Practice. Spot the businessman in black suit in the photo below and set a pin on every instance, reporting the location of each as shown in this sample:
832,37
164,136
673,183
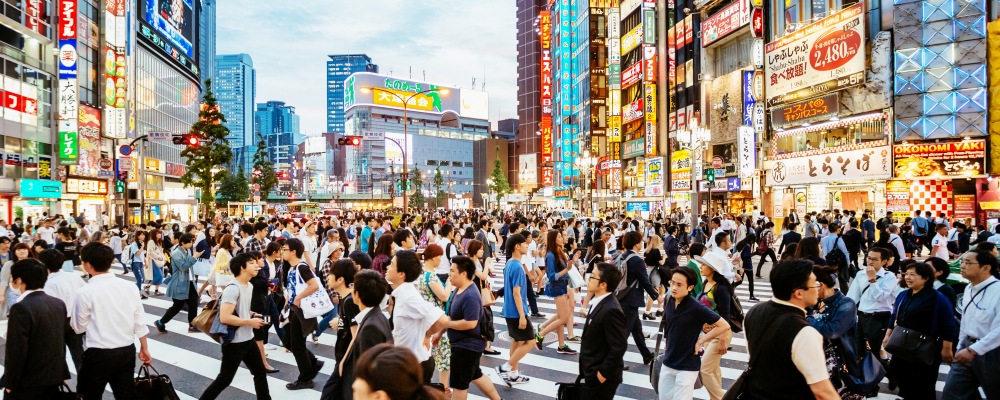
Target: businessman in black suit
373,328
602,348
482,235
35,364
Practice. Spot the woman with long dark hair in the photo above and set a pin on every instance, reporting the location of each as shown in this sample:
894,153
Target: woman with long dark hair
557,267
745,248
382,254
477,252
808,249
156,259
393,373
136,259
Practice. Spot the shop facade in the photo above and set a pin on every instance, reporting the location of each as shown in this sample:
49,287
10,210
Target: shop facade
944,176
36,198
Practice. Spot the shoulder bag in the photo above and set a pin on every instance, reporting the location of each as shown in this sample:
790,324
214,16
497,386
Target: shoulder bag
316,304
155,385
739,387
911,345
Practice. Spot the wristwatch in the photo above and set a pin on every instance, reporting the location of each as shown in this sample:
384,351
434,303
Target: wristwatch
872,280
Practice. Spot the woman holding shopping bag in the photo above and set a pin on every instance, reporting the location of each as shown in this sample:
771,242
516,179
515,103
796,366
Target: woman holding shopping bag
156,259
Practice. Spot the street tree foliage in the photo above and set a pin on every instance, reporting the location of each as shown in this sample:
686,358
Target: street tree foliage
203,160
499,186
233,188
417,198
438,184
263,170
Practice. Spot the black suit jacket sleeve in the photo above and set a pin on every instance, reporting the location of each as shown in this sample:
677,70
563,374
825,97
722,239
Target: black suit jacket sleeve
637,268
18,333
616,336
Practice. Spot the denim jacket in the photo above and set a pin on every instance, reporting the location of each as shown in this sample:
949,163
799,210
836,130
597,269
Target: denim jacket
837,324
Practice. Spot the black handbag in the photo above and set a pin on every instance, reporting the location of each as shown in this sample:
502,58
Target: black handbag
739,388
154,386
570,391
65,393
912,346
871,373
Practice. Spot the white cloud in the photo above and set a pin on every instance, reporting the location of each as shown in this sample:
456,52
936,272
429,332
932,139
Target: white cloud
451,41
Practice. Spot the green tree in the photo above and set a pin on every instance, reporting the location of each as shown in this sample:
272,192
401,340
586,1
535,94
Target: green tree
233,188
438,184
204,161
417,198
263,170
499,185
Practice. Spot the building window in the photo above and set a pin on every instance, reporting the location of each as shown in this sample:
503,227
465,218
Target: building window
795,14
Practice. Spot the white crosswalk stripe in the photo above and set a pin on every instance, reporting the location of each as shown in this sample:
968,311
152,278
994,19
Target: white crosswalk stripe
192,360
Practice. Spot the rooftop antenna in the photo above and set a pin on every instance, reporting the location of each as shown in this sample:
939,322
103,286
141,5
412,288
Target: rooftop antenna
473,83
425,75
411,72
484,78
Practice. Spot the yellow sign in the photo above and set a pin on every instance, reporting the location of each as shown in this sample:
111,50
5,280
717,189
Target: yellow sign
155,165
152,194
394,98
614,129
993,50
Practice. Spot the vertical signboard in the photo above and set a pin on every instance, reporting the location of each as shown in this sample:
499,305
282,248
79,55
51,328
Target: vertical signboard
654,177
115,68
565,58
649,26
745,151
67,97
34,16
650,112
545,28
749,101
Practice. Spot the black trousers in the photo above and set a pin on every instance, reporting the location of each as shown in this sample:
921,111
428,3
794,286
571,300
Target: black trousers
603,391
107,366
232,355
192,306
75,344
763,259
532,300
871,332
428,369
295,338
32,393
634,326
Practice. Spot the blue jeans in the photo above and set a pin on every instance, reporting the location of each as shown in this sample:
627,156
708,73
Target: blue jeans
140,276
324,323
273,311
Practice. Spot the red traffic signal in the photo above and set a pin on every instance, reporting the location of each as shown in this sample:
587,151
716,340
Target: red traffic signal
187,139
349,141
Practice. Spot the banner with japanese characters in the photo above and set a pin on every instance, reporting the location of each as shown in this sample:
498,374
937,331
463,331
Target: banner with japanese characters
825,56
849,166
67,97
954,159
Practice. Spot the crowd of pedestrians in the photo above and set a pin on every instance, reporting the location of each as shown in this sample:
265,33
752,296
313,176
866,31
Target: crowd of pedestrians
406,296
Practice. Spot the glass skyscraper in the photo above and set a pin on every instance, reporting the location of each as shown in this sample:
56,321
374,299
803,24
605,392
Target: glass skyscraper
235,87
280,126
338,69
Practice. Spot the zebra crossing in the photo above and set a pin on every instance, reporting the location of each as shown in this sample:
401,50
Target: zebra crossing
192,360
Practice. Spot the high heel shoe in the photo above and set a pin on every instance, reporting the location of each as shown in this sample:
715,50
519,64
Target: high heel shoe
647,316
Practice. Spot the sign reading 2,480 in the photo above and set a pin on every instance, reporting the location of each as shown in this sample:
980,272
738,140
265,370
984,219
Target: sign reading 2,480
836,48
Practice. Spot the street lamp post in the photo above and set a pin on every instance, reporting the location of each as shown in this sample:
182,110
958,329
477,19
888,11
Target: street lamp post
697,139
406,124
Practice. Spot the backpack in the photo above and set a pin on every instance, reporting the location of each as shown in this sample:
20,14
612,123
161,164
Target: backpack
621,263
762,246
836,257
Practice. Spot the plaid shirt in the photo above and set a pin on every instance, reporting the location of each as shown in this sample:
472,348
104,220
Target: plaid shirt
254,245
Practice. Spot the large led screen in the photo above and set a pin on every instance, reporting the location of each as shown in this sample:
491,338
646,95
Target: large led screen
172,26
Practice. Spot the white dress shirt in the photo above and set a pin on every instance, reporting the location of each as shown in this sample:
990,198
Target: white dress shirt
63,286
361,315
412,316
25,294
595,301
897,242
878,298
980,319
108,310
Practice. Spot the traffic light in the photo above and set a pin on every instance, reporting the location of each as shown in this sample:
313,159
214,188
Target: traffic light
187,139
349,141
710,175
119,186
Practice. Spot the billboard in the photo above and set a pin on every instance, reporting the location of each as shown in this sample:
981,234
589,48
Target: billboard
366,88
68,97
632,39
855,165
393,156
527,168
315,145
825,56
680,170
172,27
941,160
654,177
116,64
475,104
726,21
90,141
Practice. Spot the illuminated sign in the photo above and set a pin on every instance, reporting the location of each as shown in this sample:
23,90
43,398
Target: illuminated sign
746,153
650,111
825,56
19,101
632,39
90,143
85,186
634,148
172,26
649,26
726,21
649,59
748,98
948,159
545,126
394,98
632,75
632,111
854,165
627,6
654,176
614,128
41,189
67,92
116,64
565,58
680,170
34,16
819,109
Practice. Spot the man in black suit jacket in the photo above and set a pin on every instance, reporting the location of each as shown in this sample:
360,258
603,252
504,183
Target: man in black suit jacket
483,236
602,348
373,329
35,364
638,280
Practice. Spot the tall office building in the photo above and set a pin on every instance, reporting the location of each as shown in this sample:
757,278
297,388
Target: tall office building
206,40
280,126
235,87
338,69
528,146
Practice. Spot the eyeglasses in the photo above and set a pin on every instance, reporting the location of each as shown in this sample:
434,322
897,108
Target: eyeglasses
595,279
816,286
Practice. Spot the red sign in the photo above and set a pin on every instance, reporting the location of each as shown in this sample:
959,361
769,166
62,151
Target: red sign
724,22
757,23
67,19
546,176
33,12
545,32
631,75
649,59
546,139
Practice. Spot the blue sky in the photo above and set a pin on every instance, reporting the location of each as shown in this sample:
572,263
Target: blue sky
451,40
